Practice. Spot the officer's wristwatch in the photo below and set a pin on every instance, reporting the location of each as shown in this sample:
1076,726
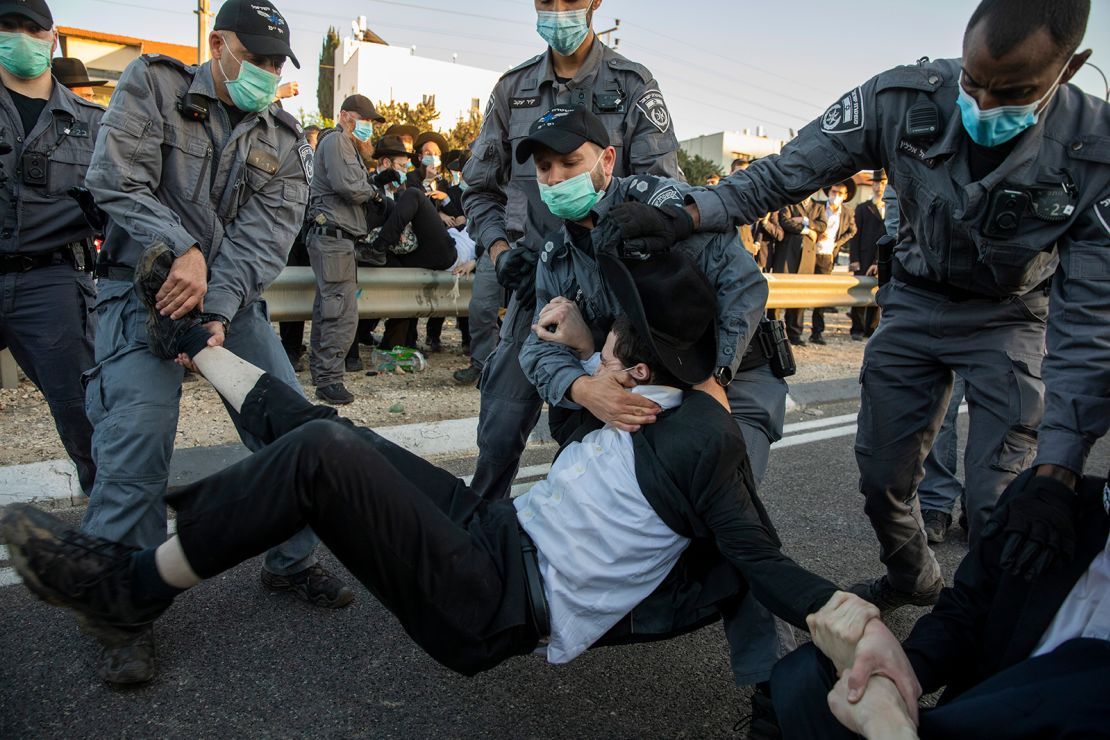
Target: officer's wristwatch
723,375
208,317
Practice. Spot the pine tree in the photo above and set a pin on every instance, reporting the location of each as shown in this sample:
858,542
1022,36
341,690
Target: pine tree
325,87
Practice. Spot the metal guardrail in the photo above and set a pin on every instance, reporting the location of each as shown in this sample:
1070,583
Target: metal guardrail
388,292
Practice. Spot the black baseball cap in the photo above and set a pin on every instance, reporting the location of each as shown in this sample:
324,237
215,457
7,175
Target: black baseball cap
562,130
259,26
36,10
361,104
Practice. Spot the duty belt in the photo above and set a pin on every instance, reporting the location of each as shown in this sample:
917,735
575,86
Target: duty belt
333,232
952,292
25,262
537,601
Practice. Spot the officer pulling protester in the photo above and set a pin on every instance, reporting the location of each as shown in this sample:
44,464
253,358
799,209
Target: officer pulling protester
1004,191
341,193
196,162
46,256
510,221
574,162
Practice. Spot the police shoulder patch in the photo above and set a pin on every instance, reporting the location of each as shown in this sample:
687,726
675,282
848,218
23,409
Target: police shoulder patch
304,151
845,115
667,195
1102,213
654,108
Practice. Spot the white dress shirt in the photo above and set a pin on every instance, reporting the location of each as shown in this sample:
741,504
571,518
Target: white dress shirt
1086,611
601,547
827,242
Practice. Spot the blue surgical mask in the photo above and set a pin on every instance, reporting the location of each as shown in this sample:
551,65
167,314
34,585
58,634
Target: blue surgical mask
254,89
430,161
998,125
24,55
571,200
363,131
564,31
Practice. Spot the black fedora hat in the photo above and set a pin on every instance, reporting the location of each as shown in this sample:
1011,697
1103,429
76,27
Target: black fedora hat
403,129
670,302
71,72
390,146
427,136
849,183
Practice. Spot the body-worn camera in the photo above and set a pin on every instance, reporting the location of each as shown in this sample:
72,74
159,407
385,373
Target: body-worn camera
1004,213
34,166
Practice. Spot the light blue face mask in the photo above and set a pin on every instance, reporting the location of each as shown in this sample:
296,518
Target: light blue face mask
430,161
24,55
364,130
564,31
571,200
998,125
254,89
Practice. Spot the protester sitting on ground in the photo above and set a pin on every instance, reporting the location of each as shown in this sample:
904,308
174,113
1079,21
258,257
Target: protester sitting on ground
666,512
1019,658
412,234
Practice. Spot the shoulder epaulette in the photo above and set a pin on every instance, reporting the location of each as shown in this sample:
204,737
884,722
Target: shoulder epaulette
524,65
181,66
286,119
627,65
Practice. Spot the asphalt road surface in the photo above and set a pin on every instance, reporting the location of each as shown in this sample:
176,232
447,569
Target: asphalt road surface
238,661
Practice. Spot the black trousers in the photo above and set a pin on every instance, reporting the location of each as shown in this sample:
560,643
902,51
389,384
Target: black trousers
447,564
1061,694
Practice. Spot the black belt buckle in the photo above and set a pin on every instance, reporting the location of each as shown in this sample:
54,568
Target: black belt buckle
533,582
18,263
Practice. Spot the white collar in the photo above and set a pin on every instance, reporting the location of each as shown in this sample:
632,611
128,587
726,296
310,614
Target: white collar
666,396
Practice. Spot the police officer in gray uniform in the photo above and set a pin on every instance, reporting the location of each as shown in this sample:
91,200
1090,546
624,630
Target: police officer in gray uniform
568,268
1005,212
46,142
198,159
504,209
341,190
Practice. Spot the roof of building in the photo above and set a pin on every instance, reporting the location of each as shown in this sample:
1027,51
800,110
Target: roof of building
187,54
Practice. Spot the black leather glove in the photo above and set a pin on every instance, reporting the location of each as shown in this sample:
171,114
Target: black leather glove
387,177
516,268
641,230
1037,524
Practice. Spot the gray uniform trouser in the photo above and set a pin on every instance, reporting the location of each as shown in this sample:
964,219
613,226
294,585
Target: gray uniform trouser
335,309
45,321
941,488
485,301
510,408
133,399
906,380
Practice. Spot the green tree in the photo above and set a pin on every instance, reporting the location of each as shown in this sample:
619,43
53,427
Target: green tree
696,168
325,87
465,131
421,115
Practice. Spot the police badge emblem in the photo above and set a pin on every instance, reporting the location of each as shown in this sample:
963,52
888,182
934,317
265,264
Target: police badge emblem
651,104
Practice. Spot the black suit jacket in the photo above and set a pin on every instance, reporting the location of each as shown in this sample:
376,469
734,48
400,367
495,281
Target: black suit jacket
869,229
989,620
693,470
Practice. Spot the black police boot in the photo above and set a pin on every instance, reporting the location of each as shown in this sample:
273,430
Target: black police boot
817,339
163,333
128,660
314,584
888,598
335,394
467,376
762,722
937,524
66,567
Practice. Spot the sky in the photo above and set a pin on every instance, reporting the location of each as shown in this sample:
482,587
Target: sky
723,65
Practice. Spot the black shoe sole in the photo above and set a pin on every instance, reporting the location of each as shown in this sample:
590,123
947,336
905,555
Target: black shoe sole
281,585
